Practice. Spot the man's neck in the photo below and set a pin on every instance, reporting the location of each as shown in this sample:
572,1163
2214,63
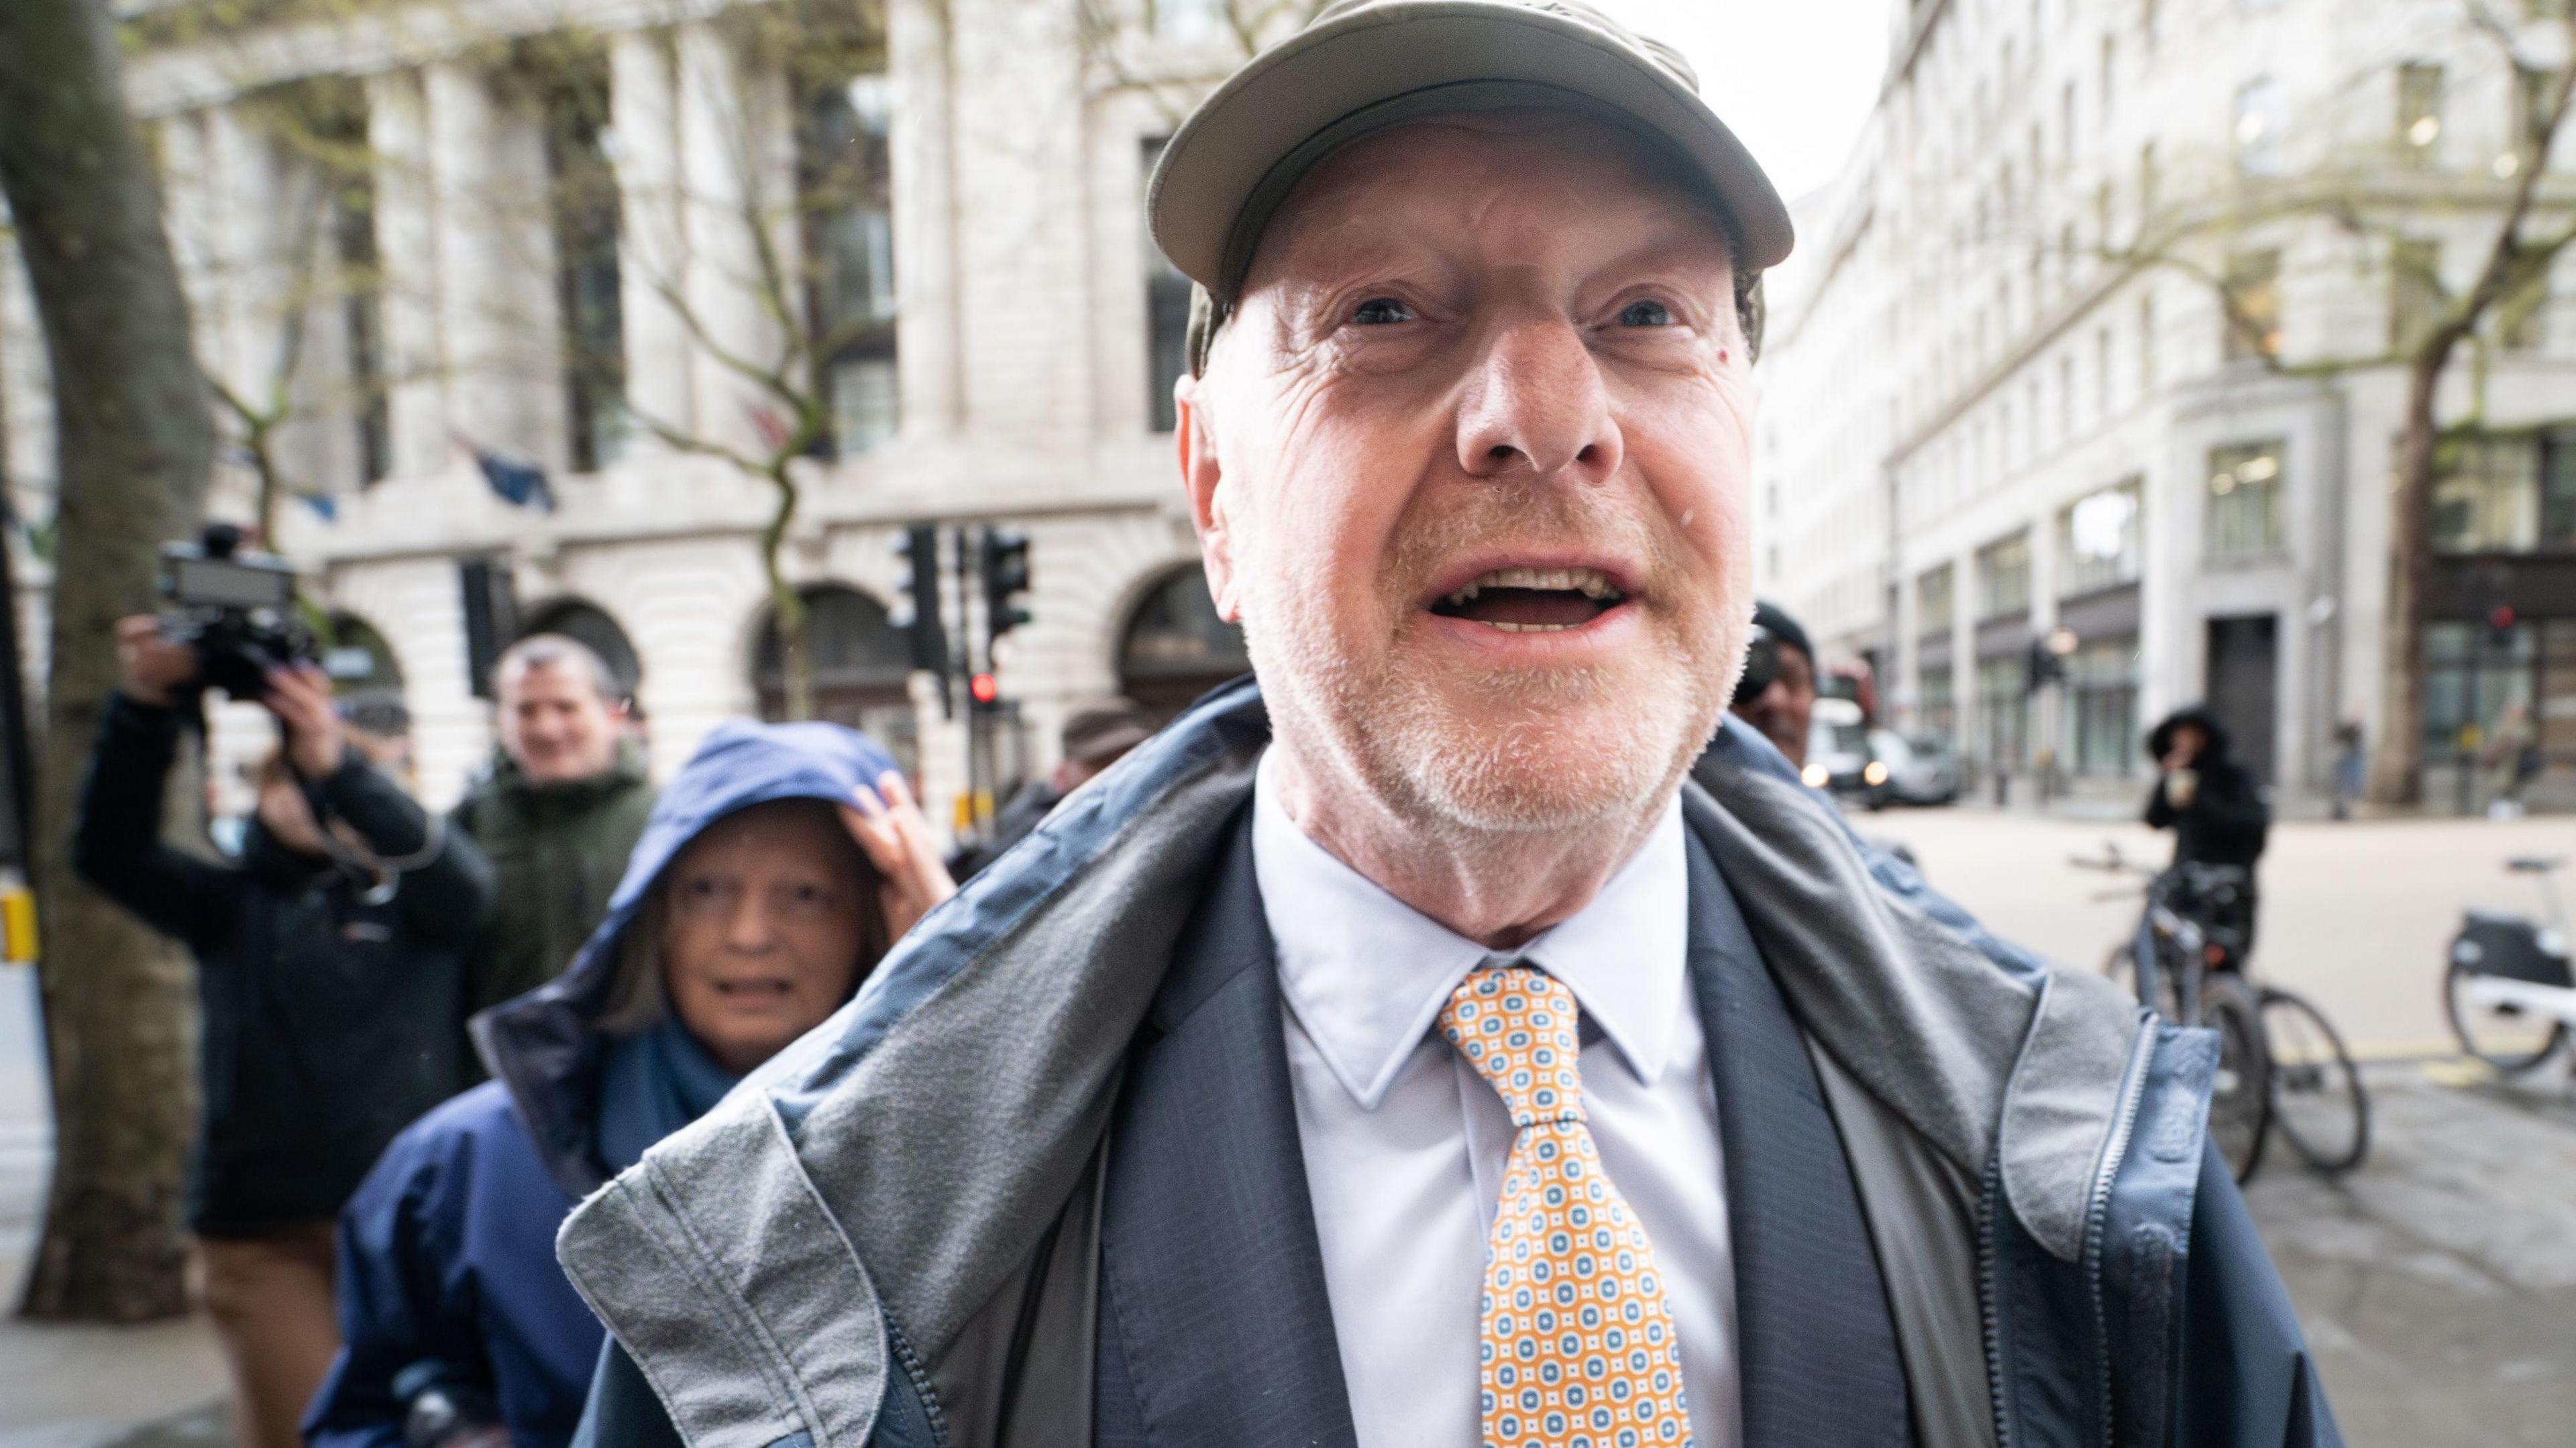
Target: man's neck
1496,887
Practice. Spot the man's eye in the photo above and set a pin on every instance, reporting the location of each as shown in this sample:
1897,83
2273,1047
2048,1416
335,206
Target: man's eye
1381,312
1646,314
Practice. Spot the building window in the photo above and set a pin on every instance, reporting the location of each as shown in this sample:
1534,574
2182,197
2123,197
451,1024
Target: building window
2257,129
2486,495
2533,92
845,178
2097,541
361,284
2419,110
1936,707
2102,705
2520,314
1933,600
2003,577
2148,177
2002,710
2253,298
2474,673
586,276
2244,514
1167,321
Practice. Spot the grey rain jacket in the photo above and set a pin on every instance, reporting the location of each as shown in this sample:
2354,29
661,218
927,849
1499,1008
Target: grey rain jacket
893,1227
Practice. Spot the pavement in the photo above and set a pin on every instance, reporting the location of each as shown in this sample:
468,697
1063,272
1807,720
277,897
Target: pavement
2437,1283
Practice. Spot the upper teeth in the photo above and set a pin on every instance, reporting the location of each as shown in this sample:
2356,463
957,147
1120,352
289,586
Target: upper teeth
1590,582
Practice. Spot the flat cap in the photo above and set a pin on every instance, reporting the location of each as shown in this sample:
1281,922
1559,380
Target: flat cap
1363,65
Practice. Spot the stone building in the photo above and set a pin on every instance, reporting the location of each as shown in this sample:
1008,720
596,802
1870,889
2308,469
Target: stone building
2087,348
573,235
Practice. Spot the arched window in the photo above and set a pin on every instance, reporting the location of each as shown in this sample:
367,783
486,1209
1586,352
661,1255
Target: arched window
861,666
1176,648
358,658
589,625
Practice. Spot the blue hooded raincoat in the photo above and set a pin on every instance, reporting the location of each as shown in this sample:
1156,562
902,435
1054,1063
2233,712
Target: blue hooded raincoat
447,1261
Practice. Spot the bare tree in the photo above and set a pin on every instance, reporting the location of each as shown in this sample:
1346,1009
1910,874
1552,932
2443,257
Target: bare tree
135,440
2531,227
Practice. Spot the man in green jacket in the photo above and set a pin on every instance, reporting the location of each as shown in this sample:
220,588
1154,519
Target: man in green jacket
558,815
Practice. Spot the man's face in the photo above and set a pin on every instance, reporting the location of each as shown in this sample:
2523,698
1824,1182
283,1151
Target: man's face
1784,710
1470,465
554,724
2188,742
766,920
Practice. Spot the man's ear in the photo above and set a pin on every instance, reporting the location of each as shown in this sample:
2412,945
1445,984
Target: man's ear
1202,479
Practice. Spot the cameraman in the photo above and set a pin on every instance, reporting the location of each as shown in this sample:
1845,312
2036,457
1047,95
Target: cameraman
329,974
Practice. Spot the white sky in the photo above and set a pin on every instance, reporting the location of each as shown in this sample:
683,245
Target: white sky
1793,79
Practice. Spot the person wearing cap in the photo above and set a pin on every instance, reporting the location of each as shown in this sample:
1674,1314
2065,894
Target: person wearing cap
1395,1050
1094,737
1776,692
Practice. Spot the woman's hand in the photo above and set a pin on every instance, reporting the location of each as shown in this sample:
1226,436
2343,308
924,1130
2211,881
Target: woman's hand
890,829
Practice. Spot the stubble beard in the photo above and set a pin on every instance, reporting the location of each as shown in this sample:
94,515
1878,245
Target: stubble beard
1498,754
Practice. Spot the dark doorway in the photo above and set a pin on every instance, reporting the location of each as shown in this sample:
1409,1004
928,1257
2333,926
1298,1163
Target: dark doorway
1176,647
862,664
2245,685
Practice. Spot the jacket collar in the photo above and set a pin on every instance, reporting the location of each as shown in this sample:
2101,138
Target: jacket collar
1000,1024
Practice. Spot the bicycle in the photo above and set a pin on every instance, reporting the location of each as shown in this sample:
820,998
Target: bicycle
2281,1063
2510,990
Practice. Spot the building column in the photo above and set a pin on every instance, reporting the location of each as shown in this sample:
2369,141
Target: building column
407,274
644,115
496,265
923,157
731,126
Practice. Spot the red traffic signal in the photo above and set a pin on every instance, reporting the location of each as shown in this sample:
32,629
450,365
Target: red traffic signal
983,689
2500,618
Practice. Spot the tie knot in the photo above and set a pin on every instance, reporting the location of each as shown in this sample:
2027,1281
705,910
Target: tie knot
1516,1025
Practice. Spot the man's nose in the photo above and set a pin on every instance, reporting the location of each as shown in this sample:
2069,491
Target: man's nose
1536,404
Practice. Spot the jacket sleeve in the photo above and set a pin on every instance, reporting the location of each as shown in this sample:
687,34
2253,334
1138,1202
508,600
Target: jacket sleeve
443,897
117,845
2160,812
2248,1380
394,1314
624,1411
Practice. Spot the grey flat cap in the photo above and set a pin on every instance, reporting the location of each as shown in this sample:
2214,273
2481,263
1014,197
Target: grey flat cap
1363,65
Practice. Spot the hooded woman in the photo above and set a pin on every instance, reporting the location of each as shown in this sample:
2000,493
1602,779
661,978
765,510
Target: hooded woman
773,874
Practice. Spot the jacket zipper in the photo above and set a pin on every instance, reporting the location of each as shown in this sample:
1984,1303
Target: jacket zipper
1987,1313
912,1370
2097,1217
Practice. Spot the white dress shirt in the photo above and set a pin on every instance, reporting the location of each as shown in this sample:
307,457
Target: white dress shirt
1405,1144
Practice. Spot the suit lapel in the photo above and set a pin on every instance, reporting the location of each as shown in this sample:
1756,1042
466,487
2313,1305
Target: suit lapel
1214,1323
1817,1349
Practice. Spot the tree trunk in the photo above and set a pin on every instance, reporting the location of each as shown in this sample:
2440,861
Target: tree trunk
788,613
135,440
2397,759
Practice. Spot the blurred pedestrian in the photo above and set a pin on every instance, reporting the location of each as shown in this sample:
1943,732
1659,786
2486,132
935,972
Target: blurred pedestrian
2350,758
2215,807
559,813
1776,693
1094,737
1402,1052
331,984
771,878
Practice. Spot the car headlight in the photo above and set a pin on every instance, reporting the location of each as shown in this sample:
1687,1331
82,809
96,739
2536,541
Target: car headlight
1816,776
1875,773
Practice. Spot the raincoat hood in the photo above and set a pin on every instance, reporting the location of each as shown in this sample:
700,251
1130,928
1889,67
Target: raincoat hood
546,1046
2198,716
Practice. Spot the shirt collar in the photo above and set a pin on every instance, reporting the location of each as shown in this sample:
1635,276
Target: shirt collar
1367,974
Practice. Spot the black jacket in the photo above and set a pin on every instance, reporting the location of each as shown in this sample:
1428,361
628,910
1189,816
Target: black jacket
330,1022
2227,820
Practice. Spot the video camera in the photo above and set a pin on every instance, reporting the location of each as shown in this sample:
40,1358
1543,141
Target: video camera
237,609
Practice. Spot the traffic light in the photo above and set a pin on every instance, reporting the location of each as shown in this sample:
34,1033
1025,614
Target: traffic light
984,690
1005,569
919,550
2500,622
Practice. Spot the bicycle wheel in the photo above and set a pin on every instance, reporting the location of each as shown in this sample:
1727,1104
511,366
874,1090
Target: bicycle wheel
2505,1037
2317,1099
2240,1105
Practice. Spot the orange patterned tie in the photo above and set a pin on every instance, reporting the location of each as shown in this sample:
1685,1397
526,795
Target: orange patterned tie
1579,1349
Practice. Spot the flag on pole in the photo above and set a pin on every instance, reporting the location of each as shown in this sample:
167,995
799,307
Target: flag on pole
519,484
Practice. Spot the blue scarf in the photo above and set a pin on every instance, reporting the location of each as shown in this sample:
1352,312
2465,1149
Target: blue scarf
653,1085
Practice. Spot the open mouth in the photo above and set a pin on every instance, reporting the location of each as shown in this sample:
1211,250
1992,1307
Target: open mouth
753,991
1533,600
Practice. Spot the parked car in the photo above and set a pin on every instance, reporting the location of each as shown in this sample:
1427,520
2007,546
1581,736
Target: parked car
1921,768
1839,758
